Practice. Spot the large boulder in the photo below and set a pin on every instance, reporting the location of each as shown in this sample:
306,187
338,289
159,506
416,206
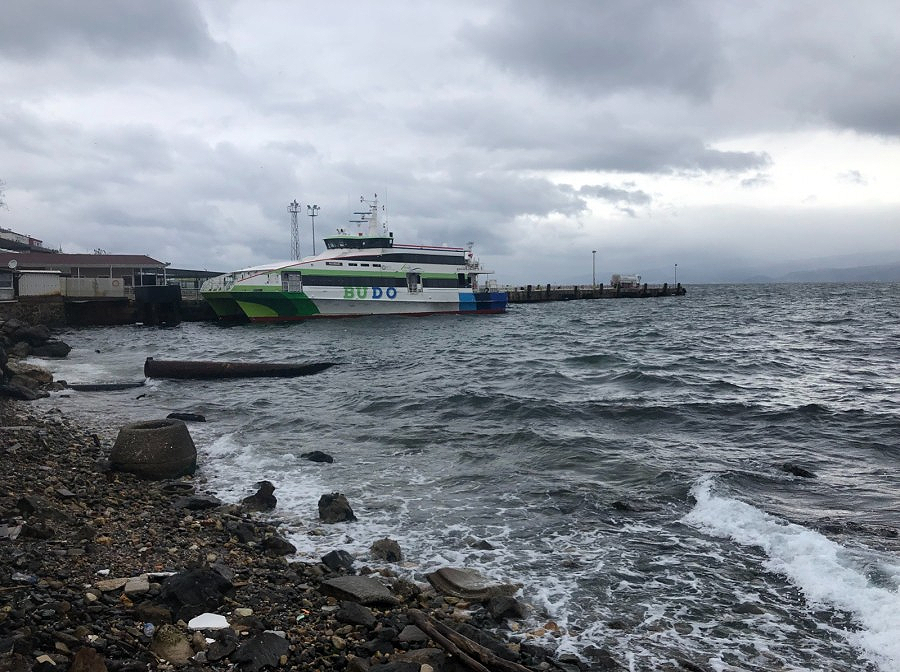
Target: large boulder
468,584
33,335
155,450
263,499
263,651
386,549
11,326
334,508
39,375
191,593
360,589
52,348
15,391
20,349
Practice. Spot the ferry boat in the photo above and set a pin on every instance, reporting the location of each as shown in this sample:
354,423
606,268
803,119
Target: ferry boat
365,273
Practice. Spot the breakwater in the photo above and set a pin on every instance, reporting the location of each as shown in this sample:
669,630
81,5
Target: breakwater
548,292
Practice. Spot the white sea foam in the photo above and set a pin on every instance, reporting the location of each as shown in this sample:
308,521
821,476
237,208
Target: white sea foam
827,573
75,370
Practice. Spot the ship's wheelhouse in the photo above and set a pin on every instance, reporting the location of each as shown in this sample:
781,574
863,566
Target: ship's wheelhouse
357,242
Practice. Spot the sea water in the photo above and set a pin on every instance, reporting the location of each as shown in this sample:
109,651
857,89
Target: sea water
632,463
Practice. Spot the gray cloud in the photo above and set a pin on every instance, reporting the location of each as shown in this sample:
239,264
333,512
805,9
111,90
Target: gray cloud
598,47
579,139
119,29
754,181
852,177
616,195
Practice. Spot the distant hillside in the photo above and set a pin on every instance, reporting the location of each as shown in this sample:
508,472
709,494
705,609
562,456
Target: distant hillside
874,273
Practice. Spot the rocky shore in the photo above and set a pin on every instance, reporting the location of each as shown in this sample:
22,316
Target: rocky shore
100,570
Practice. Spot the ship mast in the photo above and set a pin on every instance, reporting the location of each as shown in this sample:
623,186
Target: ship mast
370,217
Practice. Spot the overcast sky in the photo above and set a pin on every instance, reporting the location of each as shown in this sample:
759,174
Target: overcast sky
707,134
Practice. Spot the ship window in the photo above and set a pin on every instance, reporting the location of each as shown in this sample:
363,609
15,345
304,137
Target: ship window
377,265
460,279
363,264
414,282
334,263
351,263
291,282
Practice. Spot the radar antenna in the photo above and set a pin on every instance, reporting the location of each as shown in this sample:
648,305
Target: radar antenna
370,216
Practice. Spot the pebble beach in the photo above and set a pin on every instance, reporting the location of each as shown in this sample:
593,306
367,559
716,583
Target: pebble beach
100,570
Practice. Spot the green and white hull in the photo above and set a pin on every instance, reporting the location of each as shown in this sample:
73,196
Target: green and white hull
267,303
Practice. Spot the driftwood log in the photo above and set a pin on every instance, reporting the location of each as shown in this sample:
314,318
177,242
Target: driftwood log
160,368
462,647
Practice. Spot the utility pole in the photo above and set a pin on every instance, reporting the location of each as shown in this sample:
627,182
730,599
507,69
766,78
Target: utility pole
313,211
294,208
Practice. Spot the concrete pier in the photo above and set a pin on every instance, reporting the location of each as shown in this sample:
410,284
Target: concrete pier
548,292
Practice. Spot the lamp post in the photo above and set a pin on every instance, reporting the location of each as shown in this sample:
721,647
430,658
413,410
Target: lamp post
676,275
313,211
594,270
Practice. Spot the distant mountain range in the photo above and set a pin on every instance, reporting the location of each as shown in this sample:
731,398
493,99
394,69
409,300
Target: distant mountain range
872,273
709,268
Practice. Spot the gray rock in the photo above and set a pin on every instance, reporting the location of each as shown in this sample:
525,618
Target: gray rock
187,417
137,585
23,380
387,550
262,499
276,545
412,634
505,606
361,589
197,502
225,644
338,560
20,349
171,645
264,650
354,613
35,335
468,584
193,592
39,374
317,456
436,658
21,393
51,348
87,660
334,508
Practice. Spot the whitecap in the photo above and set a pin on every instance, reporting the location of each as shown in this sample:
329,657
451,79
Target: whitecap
828,574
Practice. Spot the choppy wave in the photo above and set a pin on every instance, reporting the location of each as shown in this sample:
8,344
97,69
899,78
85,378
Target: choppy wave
864,584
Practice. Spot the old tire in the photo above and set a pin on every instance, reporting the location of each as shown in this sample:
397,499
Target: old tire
155,449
